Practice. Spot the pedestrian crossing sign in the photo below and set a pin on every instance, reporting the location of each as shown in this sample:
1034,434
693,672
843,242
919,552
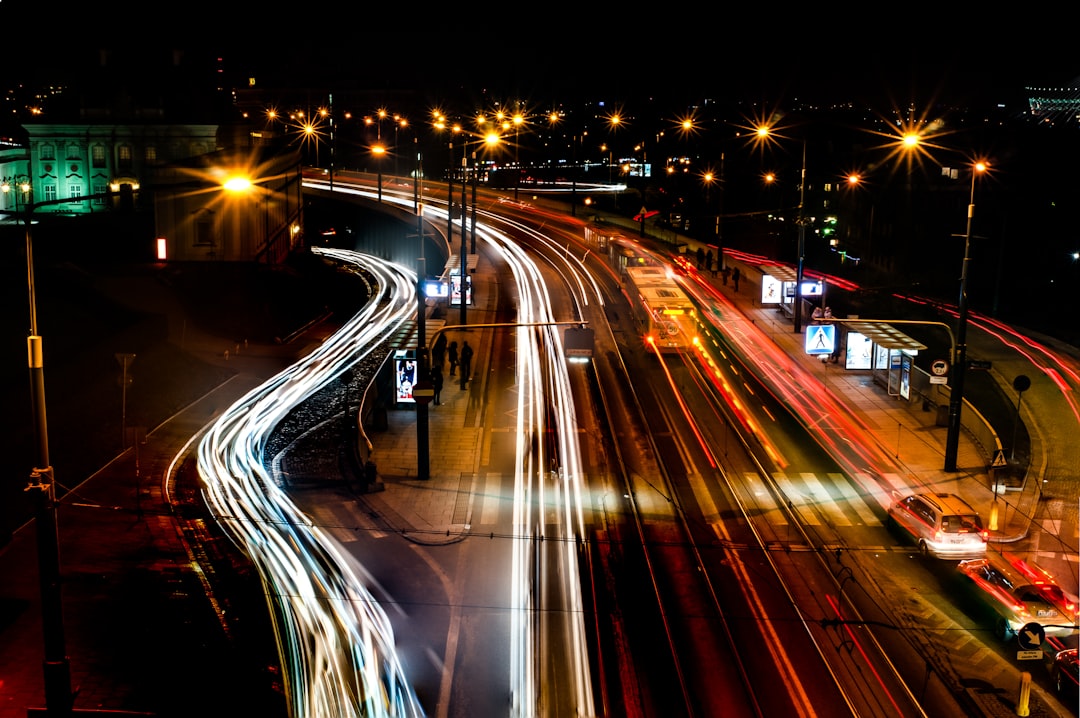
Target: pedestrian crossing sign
820,339
999,459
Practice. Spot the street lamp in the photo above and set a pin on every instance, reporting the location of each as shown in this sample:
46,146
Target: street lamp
377,150
764,135
801,221
956,395
400,123
518,120
490,138
57,668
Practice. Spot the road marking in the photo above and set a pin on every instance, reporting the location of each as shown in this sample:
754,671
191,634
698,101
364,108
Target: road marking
489,508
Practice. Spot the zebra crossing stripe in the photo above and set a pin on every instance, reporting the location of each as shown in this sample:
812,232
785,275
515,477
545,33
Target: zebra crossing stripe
834,501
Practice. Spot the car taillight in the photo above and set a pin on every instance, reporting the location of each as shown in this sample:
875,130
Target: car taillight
985,536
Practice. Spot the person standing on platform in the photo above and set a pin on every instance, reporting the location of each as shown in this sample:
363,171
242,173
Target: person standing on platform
466,362
452,355
438,352
735,274
436,382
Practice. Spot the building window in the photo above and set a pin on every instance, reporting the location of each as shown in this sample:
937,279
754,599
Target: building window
99,194
48,152
73,152
74,191
123,156
98,155
204,230
151,153
50,192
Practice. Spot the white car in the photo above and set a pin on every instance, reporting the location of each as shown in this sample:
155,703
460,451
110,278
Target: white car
942,525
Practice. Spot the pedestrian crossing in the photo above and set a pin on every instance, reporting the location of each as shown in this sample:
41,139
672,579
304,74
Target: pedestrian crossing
829,499
818,499
345,521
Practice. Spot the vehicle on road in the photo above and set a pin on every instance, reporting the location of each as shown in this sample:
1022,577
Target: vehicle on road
1063,673
1021,593
942,525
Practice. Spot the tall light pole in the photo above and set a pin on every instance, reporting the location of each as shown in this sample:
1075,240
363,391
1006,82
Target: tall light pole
956,395
378,151
464,233
801,250
423,366
329,114
57,669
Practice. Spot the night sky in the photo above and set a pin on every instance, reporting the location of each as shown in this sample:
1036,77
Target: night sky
962,55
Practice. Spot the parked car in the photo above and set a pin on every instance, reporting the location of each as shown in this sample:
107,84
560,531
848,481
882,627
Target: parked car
942,525
1021,593
1064,674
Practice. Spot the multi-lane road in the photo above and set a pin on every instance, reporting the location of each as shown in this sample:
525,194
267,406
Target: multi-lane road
641,569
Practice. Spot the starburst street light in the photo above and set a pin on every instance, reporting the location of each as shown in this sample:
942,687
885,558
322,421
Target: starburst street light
309,132
378,151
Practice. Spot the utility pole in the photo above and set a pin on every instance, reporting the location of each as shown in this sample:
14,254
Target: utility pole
57,668
956,395
801,221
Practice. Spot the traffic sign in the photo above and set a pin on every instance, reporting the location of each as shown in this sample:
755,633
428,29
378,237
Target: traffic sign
978,364
998,461
423,392
821,339
1031,636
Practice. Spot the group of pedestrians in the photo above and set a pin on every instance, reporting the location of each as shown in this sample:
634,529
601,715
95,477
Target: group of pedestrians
459,359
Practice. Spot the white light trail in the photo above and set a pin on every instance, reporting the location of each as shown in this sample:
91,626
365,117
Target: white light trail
542,380
335,642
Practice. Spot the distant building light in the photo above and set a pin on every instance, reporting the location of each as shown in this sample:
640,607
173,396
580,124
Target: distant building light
162,249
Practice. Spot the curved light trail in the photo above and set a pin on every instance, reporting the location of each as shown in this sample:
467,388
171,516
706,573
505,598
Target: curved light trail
335,642
548,637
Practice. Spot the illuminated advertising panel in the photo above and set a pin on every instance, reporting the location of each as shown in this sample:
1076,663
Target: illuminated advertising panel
859,353
404,377
436,289
881,357
455,290
770,289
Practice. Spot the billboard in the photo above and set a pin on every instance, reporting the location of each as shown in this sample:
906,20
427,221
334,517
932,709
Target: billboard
404,377
859,353
771,288
455,290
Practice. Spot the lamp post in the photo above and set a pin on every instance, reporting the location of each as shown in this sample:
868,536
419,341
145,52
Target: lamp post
801,221
764,134
956,396
329,115
518,120
464,218
378,151
57,669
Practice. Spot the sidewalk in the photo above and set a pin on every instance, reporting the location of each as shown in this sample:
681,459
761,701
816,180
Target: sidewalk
139,632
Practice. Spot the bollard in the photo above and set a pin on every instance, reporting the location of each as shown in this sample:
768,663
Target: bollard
994,516
1022,700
